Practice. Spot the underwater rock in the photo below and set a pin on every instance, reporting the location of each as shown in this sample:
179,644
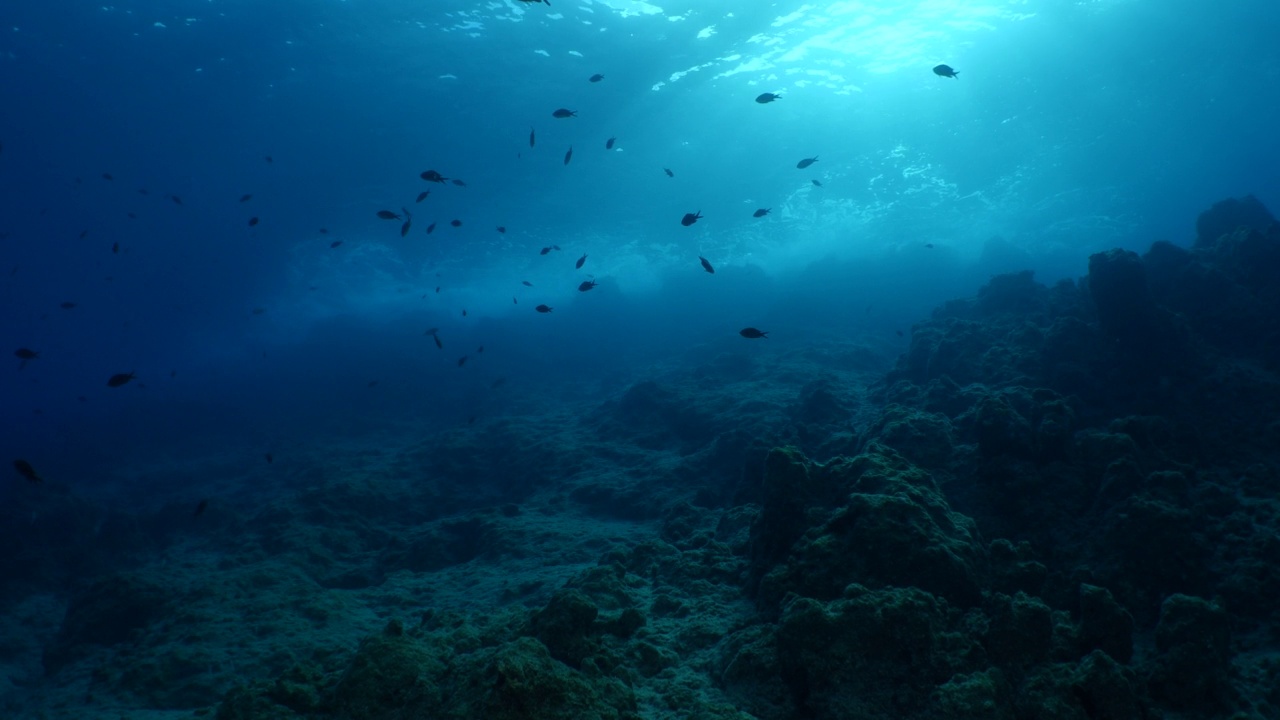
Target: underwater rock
1193,669
566,627
1019,631
1104,624
105,613
1227,216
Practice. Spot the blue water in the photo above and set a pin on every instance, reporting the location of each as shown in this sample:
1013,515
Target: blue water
1073,127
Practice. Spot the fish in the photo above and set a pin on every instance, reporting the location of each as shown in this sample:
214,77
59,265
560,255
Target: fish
462,361
26,354
132,215
253,221
563,113
706,265
115,248
586,285
690,218
595,78
497,383
945,71
437,289
372,384
458,182
120,379
502,229
25,470
439,343
668,172
546,250
526,283
176,200
268,158
404,229
456,223
514,301
766,98
430,228
246,198
107,177
929,245
422,196
464,312
752,333
568,155
816,183
581,260
335,244
543,309
761,212
324,231
806,162
388,215
432,176
480,349
531,137
66,305
268,458
201,507
531,2
608,144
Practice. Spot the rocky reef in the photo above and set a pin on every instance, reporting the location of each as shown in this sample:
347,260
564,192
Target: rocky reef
1059,503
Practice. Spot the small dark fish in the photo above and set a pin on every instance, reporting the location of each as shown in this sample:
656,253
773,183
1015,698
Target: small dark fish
66,305
372,383
201,507
25,354
115,248
502,229
608,144
765,98
25,470
690,218
668,172
404,229
497,383
464,312
761,212
544,251
268,159
945,71
929,245
132,215
543,309
462,361
586,285
480,349
253,221
268,458
176,200
107,176
388,215
431,331
422,196
806,162
259,310
581,260
816,183
568,155
173,374
595,78
437,289
752,333
335,244
706,265
514,301
439,343
246,198
526,283
898,332
84,234
431,228
324,231
456,223
563,113
531,133
458,182
432,176
120,379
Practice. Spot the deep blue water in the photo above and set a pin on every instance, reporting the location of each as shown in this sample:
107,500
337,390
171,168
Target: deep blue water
1073,127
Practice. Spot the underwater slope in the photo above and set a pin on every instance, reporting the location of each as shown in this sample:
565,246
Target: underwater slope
1057,504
